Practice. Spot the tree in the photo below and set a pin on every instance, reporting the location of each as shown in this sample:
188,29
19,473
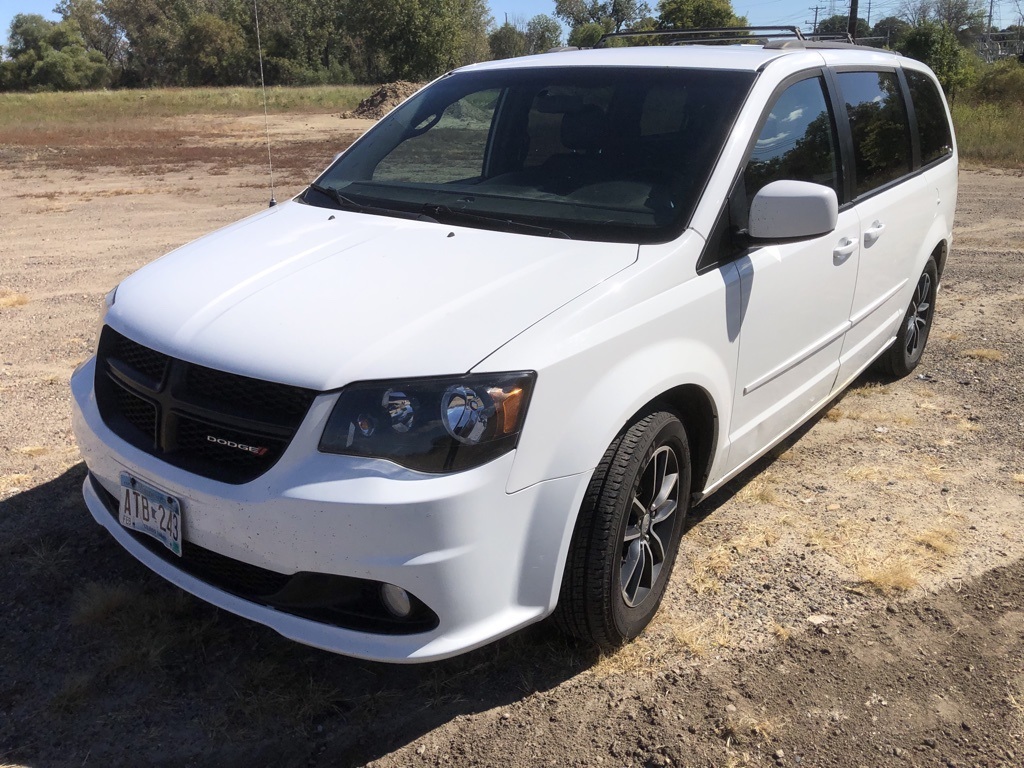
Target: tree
46,56
891,29
626,13
407,39
839,25
685,14
97,31
212,51
475,21
576,13
542,34
507,42
587,35
938,47
965,18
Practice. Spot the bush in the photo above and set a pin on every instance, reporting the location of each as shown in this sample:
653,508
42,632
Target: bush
1002,83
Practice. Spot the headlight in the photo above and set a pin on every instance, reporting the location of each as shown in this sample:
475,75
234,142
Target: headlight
433,424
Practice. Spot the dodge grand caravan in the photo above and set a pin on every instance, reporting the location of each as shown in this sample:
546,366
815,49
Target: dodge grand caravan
478,371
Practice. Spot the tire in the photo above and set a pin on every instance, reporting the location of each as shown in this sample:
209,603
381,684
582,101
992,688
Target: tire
627,535
905,353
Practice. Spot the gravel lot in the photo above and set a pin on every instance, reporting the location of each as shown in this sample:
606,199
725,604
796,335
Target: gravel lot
855,599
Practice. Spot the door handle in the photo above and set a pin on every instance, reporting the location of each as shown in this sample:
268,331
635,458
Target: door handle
872,233
844,250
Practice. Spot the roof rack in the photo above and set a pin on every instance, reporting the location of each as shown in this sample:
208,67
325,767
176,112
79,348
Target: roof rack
713,34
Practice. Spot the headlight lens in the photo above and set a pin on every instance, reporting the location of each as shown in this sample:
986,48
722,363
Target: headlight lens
438,424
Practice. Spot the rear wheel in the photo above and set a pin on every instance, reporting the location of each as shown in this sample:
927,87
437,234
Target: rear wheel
905,353
627,534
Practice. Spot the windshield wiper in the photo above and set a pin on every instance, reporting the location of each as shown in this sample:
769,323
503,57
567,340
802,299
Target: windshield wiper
505,224
348,204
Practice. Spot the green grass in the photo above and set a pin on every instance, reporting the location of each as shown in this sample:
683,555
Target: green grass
987,133
46,109
990,134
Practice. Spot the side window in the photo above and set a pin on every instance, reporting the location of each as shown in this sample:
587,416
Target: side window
932,125
456,138
878,121
797,141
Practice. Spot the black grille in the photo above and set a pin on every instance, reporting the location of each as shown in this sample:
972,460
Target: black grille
340,601
148,362
219,425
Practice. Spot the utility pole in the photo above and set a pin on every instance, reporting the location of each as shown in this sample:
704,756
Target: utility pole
988,29
869,13
816,9
851,28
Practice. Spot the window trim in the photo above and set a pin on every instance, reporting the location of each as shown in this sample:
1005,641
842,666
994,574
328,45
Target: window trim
916,128
708,261
844,127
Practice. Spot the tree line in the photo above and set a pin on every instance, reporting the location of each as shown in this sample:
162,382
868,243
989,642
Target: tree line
148,43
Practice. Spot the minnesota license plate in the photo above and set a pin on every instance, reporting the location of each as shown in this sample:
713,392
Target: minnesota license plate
151,511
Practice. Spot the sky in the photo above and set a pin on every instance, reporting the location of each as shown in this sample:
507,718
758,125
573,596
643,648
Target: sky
758,12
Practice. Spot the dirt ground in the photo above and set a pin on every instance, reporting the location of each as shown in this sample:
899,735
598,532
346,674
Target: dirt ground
853,600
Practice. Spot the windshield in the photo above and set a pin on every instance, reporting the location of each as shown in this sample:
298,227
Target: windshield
595,153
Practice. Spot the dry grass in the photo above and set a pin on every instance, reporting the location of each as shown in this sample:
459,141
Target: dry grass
782,633
863,474
637,658
992,355
61,109
939,540
271,690
97,603
840,535
760,490
699,637
46,560
10,482
1018,477
74,691
34,450
10,299
859,414
890,575
870,389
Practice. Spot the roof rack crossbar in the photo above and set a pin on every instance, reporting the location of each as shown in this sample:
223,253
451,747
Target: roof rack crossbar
696,35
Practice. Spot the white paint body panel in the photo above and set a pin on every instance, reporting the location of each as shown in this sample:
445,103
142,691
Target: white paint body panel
321,298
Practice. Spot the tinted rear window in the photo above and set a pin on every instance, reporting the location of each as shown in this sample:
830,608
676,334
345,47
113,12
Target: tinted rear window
932,125
878,121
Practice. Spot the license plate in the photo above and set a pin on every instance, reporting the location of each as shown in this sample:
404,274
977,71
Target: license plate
151,511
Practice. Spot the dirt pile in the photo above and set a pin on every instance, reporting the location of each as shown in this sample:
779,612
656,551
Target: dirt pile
383,100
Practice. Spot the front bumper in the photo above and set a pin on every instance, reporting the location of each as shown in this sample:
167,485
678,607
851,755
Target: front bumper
486,562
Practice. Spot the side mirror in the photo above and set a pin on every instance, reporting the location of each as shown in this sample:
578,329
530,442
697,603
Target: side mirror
792,210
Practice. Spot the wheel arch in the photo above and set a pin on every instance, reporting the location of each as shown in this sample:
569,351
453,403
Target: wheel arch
697,410
939,253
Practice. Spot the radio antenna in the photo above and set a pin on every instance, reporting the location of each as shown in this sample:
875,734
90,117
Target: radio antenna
266,117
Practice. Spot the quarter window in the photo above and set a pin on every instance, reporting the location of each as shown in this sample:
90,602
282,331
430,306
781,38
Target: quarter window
932,125
878,121
797,141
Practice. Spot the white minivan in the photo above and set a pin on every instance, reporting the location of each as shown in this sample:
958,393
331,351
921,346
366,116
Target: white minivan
479,370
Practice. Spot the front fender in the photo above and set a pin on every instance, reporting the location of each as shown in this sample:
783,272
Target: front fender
603,357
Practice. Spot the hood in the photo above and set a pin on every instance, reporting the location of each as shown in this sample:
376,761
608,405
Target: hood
319,298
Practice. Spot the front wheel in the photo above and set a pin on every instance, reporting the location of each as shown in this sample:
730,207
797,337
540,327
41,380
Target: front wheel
627,534
905,353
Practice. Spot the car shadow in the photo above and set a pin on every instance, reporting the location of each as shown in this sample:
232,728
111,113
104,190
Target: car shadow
118,641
